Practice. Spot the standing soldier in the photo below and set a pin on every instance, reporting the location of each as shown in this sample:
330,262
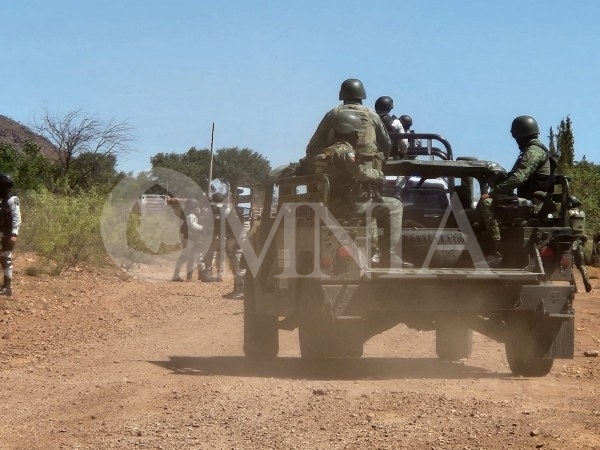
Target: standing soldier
215,256
234,251
10,221
577,224
596,249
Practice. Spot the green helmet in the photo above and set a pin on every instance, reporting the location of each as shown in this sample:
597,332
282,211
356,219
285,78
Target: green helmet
523,127
347,121
352,89
383,105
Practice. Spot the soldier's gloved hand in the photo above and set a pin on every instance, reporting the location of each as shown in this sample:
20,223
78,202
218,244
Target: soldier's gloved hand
346,156
345,159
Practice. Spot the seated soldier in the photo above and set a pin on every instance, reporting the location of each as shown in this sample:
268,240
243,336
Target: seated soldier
356,179
531,173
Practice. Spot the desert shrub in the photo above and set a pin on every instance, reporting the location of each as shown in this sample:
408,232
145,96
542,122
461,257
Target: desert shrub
63,229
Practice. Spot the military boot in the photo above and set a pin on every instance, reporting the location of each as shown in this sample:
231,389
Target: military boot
392,260
6,290
238,289
494,258
206,276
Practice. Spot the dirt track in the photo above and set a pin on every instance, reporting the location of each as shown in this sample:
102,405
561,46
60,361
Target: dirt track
102,360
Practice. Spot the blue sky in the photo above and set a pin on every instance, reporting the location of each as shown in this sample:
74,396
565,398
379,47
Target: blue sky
265,72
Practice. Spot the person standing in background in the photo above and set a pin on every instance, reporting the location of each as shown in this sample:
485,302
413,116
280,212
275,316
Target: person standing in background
10,221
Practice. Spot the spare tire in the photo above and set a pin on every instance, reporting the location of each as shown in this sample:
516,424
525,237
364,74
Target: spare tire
418,242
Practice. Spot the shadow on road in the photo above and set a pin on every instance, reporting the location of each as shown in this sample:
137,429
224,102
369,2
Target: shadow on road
340,369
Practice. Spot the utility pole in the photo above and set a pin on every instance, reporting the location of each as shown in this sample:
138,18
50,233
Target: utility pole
210,170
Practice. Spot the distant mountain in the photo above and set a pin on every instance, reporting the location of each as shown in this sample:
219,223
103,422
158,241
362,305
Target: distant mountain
16,134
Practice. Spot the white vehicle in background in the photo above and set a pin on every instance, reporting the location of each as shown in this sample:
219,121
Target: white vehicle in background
153,204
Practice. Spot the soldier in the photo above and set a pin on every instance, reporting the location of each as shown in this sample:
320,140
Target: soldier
374,136
353,141
577,224
596,249
196,236
10,221
532,172
234,253
215,255
383,107
407,124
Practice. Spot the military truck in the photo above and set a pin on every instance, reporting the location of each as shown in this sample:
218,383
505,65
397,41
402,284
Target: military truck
318,274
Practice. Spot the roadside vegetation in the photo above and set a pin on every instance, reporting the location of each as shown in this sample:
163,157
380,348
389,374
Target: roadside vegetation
63,195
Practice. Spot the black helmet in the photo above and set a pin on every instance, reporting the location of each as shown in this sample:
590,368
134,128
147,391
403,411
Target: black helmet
6,180
523,127
191,204
406,121
352,89
346,121
574,202
217,197
384,105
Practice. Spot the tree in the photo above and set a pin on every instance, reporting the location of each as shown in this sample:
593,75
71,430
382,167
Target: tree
585,184
77,133
240,166
93,170
231,165
28,167
552,143
565,145
194,164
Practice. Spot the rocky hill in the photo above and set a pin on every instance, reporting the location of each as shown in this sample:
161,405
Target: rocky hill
16,135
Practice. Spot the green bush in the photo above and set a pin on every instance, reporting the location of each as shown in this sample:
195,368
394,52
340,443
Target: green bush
67,231
63,229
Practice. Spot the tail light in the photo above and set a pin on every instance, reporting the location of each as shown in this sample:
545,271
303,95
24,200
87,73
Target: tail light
344,251
547,252
326,261
565,261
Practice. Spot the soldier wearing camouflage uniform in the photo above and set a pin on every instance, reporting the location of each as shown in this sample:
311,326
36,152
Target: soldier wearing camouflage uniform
532,172
577,224
234,252
351,146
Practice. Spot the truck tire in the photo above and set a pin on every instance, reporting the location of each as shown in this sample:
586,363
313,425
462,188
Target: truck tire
524,353
313,323
453,342
417,242
321,336
261,332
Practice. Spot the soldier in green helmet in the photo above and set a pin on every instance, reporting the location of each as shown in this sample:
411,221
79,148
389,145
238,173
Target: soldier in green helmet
351,146
532,172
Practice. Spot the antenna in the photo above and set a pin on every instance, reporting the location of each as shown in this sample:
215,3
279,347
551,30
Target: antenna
210,170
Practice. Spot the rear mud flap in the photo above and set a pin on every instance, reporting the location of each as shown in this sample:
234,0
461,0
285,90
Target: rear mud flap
554,330
560,333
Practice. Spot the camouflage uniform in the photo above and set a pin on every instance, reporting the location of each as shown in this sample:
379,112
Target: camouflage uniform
374,140
529,174
577,223
234,253
354,167
579,261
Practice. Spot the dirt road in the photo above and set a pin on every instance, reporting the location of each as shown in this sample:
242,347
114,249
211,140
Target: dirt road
102,360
